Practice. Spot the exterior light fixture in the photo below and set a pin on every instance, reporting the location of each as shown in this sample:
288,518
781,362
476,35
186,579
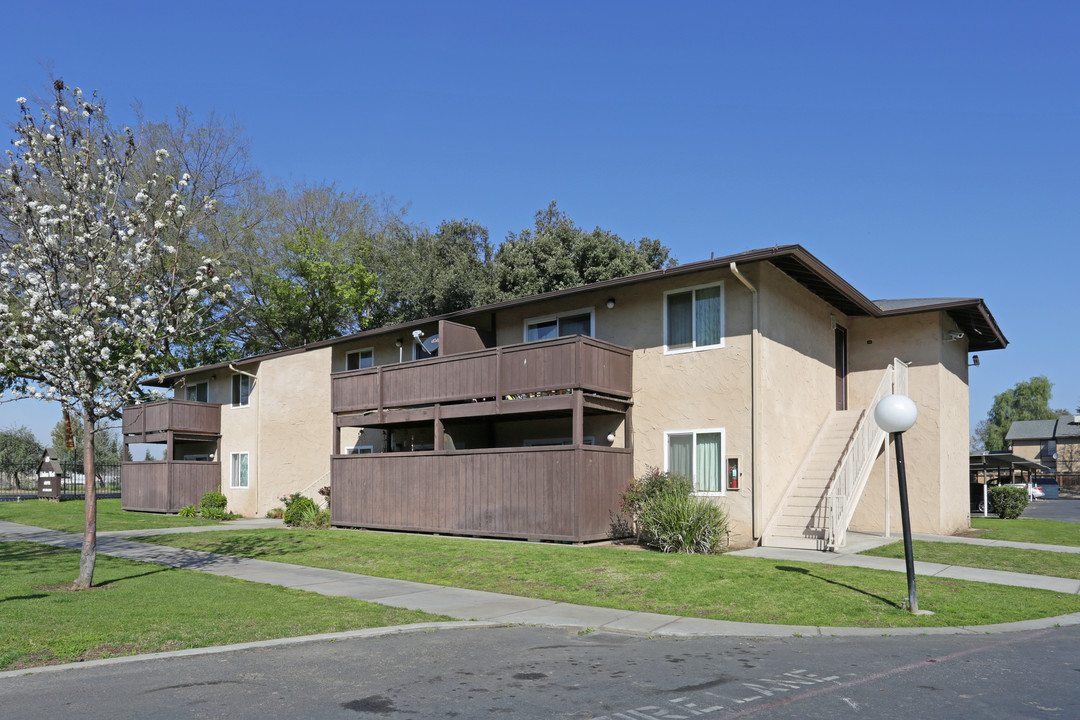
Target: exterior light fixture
895,415
610,303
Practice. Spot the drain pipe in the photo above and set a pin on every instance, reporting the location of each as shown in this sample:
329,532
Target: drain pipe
755,410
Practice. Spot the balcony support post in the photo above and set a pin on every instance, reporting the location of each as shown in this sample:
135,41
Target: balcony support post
438,429
579,418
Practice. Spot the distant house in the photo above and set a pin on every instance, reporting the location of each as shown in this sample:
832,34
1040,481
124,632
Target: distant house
1053,443
752,374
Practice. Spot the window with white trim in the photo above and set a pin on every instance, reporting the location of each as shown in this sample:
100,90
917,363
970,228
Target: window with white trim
197,392
241,390
698,455
573,322
360,450
694,318
359,359
238,475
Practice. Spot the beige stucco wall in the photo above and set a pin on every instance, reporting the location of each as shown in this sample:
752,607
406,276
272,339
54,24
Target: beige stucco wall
240,433
798,383
936,448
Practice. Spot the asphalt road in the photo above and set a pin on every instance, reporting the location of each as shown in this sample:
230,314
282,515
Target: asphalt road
1064,509
544,673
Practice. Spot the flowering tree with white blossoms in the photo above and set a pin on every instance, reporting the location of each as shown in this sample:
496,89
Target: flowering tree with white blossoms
92,285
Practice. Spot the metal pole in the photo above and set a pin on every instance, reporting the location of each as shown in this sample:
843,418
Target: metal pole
905,520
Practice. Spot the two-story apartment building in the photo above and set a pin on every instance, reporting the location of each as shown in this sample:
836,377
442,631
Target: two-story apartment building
753,374
1053,443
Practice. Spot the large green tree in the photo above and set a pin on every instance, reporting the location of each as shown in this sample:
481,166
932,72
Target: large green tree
1027,400
557,254
19,446
423,273
313,292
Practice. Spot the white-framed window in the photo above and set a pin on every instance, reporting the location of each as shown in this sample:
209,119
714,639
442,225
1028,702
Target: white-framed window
360,450
694,318
238,475
241,390
573,322
698,455
359,359
197,392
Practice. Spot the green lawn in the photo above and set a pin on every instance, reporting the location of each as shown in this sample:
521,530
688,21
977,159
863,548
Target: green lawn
1050,532
138,607
720,587
1032,562
69,516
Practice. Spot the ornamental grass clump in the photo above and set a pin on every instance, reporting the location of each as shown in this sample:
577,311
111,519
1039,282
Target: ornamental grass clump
661,511
678,522
640,494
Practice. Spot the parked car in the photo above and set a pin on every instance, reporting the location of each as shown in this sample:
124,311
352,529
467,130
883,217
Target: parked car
1034,491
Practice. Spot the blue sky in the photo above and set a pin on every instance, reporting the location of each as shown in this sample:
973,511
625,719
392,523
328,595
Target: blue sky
918,149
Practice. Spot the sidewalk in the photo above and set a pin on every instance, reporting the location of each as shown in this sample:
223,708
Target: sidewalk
509,609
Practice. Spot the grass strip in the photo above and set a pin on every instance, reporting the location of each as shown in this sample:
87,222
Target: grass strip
1032,562
139,607
718,586
1033,530
70,516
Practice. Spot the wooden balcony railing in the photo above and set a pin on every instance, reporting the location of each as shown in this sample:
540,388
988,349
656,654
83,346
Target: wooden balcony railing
546,493
166,485
559,364
180,416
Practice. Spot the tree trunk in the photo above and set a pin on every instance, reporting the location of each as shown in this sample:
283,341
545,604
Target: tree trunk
89,545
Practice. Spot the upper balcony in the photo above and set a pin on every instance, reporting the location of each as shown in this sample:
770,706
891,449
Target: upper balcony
496,374
152,422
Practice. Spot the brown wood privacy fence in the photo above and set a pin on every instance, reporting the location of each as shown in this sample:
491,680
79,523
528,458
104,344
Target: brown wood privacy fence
1069,482
18,481
545,493
558,364
167,485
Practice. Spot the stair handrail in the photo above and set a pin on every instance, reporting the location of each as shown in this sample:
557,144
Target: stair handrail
858,456
313,484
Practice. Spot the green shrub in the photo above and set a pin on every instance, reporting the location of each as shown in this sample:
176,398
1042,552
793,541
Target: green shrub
274,513
676,521
297,508
639,495
1008,501
213,500
188,511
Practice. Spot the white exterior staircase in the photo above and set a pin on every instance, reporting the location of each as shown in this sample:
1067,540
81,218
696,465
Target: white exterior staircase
803,519
821,498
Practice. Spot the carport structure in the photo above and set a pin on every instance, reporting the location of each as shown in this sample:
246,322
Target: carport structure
998,468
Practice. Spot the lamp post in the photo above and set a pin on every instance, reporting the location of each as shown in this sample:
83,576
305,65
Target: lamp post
895,415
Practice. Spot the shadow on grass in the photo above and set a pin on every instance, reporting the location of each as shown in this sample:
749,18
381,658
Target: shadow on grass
246,547
804,571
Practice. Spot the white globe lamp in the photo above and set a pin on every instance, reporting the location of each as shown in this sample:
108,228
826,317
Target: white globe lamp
896,413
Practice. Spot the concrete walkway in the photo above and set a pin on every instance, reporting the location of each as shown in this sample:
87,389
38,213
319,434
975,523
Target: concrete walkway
495,608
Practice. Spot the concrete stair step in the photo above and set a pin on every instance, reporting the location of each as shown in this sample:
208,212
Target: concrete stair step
795,543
